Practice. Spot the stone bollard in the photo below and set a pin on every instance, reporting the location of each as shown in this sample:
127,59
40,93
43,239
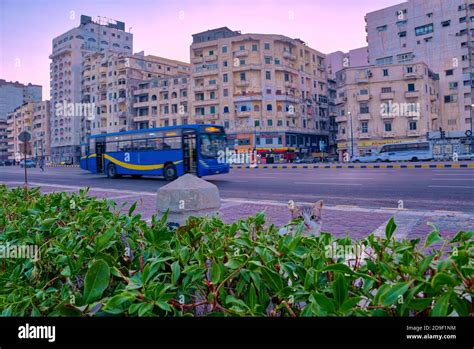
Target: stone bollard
187,196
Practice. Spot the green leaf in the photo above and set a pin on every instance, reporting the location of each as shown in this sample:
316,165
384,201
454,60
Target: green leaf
115,305
339,267
252,296
215,273
390,228
96,281
175,272
441,306
324,302
163,305
442,279
144,309
350,303
432,238
461,305
393,293
132,208
232,263
273,279
340,289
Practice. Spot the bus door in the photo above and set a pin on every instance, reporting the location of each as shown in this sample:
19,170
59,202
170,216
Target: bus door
189,151
100,150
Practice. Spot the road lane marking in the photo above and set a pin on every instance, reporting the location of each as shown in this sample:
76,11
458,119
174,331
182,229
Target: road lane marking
452,179
326,183
452,186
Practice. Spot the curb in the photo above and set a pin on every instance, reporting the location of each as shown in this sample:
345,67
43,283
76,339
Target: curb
314,167
62,166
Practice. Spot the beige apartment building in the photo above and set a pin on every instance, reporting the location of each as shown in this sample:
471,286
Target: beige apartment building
33,117
269,91
385,104
21,119
68,52
40,133
162,102
439,33
109,82
3,140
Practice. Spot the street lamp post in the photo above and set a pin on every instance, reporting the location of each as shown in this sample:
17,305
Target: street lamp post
472,137
352,134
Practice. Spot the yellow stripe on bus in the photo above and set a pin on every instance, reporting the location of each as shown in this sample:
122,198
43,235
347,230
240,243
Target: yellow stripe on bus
136,167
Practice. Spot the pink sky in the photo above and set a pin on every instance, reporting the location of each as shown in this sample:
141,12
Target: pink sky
164,27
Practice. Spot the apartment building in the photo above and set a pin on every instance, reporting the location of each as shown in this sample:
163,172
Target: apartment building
269,91
3,140
15,94
40,132
438,33
109,82
162,102
21,119
69,50
385,104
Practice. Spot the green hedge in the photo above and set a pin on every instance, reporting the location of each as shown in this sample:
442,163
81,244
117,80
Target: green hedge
96,261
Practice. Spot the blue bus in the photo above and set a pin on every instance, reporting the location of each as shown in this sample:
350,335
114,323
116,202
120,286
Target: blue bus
167,151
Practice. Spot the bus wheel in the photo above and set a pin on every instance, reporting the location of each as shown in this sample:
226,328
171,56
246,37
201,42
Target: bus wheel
112,171
169,172
414,159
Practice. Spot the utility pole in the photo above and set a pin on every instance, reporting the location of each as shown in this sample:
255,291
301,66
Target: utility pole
352,134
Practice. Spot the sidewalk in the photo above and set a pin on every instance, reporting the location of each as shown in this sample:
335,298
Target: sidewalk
339,220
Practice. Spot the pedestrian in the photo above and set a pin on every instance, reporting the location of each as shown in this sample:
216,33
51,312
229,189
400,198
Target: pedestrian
41,164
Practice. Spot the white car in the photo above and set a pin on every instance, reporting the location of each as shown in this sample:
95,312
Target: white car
375,157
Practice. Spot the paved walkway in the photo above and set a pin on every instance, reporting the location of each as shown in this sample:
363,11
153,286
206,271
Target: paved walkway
339,220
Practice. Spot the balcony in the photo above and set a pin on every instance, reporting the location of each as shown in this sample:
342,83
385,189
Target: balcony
143,104
363,98
341,118
388,115
413,75
390,134
289,55
243,114
289,84
197,60
242,83
387,95
341,137
198,88
412,94
211,87
210,58
413,133
364,135
363,116
141,118
287,98
241,53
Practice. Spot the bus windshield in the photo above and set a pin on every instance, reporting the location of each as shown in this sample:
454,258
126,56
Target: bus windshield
212,143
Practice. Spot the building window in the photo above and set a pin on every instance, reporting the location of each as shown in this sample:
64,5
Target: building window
449,72
242,77
257,123
388,127
225,78
242,62
412,125
266,46
212,110
224,63
450,99
254,47
445,23
268,60
402,34
269,107
365,127
279,122
211,53
268,75
384,61
382,28
270,122
225,92
242,48
277,61
364,108
404,58
411,87
385,72
386,89
224,49
425,29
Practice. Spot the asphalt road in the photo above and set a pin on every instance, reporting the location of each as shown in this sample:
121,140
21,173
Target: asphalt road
415,189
